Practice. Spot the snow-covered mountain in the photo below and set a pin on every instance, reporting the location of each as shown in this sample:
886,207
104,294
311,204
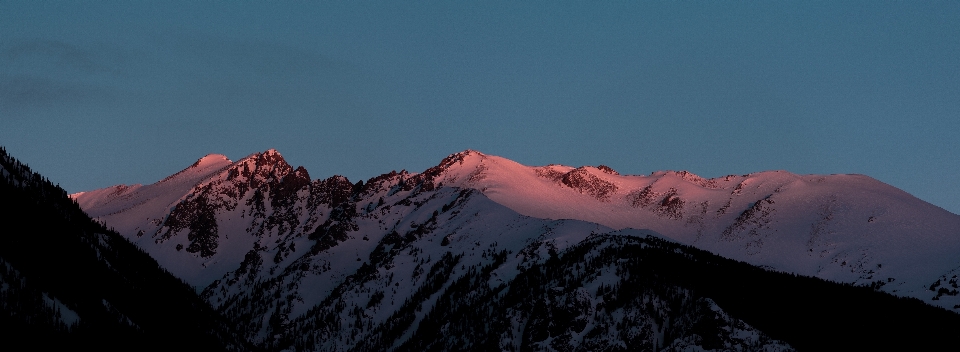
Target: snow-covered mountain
335,265
846,228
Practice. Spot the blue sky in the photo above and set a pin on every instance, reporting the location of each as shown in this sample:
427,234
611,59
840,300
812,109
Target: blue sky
99,93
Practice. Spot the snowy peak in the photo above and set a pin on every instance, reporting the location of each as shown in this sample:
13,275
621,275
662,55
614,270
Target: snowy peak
454,163
211,159
188,219
200,168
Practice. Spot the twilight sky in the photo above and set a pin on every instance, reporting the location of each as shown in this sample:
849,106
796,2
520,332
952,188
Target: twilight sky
99,93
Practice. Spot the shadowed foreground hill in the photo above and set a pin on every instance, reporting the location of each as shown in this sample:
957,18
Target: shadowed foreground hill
68,282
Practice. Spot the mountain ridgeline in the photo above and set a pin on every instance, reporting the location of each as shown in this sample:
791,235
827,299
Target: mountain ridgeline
482,253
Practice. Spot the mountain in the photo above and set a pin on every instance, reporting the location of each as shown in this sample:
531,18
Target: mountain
68,282
481,251
846,228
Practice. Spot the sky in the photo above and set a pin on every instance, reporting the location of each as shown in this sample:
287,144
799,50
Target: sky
98,93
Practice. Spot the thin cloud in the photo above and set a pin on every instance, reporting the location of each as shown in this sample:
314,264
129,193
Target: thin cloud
230,56
18,92
45,72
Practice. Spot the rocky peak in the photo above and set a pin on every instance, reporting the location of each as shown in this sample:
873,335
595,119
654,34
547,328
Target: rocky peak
273,161
582,180
696,179
380,183
268,166
451,160
292,182
333,190
428,180
608,170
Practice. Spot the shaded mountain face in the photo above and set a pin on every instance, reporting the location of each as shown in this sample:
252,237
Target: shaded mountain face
397,261
68,282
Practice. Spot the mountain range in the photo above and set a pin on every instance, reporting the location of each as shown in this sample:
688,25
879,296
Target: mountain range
480,252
